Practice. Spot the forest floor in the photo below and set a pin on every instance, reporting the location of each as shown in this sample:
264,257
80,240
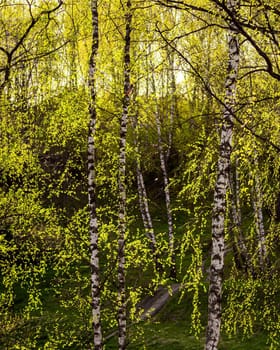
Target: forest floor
151,305
166,326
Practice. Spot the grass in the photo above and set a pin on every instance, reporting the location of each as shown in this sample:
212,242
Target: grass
170,330
175,336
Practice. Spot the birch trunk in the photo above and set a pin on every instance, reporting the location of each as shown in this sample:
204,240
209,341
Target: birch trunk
163,167
167,199
173,105
222,182
122,186
242,257
258,214
144,203
93,224
146,216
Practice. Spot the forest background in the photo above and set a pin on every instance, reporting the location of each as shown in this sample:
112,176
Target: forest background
139,149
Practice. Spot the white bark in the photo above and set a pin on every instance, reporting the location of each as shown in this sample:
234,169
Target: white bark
167,199
258,214
93,224
222,182
143,201
173,105
122,321
166,190
243,258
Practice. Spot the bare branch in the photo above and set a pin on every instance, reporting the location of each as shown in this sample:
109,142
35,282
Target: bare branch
9,63
212,94
240,28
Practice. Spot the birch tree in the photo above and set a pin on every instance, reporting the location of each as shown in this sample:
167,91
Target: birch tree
258,214
144,200
122,317
163,166
222,183
173,103
240,251
93,224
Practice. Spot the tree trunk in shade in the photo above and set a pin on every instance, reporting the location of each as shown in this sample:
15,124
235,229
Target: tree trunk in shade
162,158
242,257
144,202
258,215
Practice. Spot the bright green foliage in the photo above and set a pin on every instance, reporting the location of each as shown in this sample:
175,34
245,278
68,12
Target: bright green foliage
44,260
